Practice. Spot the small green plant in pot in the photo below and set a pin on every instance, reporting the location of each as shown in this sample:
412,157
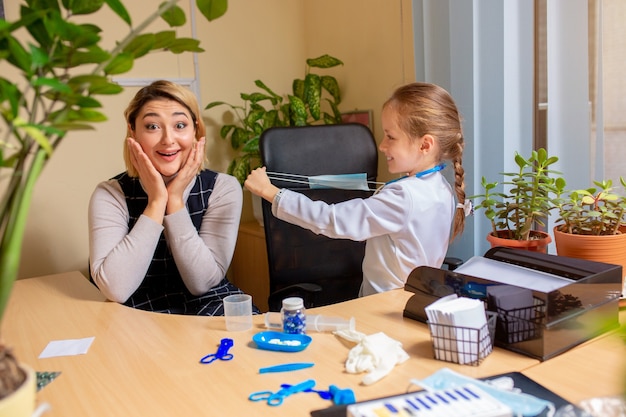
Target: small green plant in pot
313,99
592,223
521,209
595,211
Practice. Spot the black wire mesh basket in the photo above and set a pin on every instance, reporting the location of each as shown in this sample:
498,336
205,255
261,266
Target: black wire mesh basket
520,324
463,345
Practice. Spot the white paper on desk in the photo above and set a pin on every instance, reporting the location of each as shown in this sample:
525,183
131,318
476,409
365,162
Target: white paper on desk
461,314
442,346
468,313
504,273
68,347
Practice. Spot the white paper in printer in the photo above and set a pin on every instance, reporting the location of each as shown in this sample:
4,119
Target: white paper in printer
505,273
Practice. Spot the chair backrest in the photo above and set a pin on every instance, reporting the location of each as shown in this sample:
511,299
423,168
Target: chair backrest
296,255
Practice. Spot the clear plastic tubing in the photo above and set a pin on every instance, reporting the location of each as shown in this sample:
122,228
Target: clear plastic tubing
314,322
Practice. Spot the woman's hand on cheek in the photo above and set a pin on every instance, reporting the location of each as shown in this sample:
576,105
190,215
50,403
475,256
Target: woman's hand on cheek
188,171
150,178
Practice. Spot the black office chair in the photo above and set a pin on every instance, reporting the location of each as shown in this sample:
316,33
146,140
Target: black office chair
319,269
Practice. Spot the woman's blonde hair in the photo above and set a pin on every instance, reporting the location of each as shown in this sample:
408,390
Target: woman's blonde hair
424,108
160,90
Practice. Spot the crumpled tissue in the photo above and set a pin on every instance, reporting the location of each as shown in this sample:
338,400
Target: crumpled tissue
376,354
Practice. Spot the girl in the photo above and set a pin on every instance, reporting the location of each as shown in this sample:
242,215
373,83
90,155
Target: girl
408,222
162,234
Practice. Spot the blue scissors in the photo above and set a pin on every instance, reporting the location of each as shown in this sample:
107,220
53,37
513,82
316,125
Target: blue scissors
276,398
222,352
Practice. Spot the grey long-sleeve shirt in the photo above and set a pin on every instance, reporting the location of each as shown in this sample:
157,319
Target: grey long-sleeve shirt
119,259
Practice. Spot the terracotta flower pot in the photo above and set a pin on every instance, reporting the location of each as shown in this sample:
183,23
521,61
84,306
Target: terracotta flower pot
21,403
609,249
538,243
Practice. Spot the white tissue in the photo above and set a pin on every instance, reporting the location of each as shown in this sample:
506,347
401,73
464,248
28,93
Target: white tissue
376,354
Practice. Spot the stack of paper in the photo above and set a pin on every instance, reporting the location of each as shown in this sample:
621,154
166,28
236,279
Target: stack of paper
459,329
516,309
505,273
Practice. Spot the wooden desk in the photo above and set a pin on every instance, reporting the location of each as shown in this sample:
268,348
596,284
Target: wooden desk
146,364
596,368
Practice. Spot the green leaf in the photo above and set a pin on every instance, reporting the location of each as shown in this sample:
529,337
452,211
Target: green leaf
238,137
92,56
119,9
120,64
83,6
298,111
84,101
298,88
39,57
270,119
74,126
252,145
77,115
181,45
54,83
256,97
96,84
86,36
212,9
324,61
141,45
313,94
215,104
32,21
241,169
163,39
225,130
262,86
520,161
174,16
330,84
35,132
11,93
19,57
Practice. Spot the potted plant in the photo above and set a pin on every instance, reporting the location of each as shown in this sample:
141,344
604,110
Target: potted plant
56,69
313,99
521,209
592,224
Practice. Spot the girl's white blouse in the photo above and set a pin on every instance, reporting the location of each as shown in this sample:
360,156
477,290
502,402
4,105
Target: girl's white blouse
407,224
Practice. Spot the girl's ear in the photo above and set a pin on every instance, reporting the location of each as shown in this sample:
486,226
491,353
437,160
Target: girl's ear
427,143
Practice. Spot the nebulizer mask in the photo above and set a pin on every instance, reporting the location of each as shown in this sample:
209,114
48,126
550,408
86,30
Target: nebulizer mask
520,403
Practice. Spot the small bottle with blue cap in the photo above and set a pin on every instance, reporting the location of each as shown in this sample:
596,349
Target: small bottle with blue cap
293,315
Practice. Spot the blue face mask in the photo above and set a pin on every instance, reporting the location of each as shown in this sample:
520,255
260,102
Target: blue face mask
522,404
341,181
356,181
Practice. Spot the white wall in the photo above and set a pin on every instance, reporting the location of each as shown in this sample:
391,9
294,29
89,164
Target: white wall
481,51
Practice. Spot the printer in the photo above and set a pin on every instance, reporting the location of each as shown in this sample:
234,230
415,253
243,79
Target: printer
545,304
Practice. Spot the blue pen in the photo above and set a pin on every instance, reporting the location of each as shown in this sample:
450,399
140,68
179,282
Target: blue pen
286,367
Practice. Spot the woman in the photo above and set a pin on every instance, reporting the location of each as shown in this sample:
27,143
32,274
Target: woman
162,234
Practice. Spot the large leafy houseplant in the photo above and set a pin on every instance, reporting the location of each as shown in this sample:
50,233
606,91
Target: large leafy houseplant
60,69
524,204
313,99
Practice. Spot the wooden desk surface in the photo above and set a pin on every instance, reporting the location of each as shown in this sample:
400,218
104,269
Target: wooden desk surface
147,364
596,368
